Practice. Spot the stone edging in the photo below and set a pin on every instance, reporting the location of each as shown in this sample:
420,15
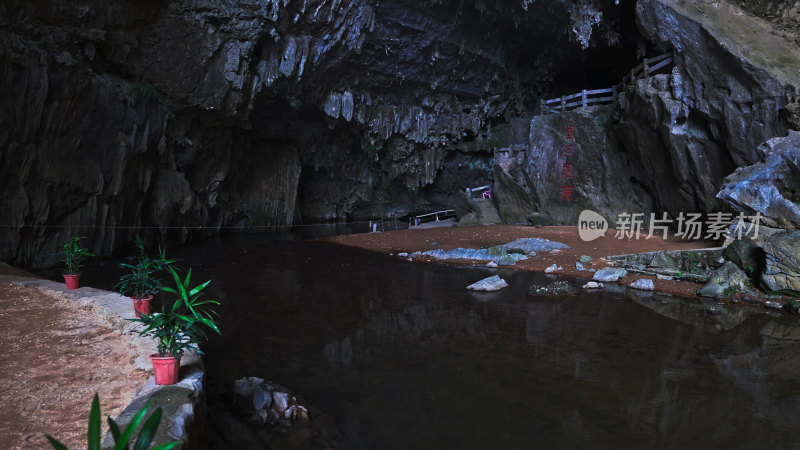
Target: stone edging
183,404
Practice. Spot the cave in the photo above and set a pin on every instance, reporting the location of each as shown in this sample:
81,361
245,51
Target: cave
179,125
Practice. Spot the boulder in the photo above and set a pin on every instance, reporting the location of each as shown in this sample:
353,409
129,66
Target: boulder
643,284
770,186
724,282
533,245
746,254
593,285
782,270
493,283
553,268
468,220
609,274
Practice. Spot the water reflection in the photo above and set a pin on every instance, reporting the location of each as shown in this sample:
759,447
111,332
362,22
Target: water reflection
403,356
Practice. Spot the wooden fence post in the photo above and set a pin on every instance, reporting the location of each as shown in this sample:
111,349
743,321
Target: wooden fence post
563,104
583,98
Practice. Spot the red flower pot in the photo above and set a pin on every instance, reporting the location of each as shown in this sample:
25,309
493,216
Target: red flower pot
72,281
142,305
165,368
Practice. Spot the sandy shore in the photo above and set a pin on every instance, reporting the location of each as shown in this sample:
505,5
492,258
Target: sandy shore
55,357
485,236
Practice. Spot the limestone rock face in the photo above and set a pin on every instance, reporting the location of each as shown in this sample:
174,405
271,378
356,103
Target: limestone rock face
782,271
736,94
686,131
172,120
597,172
770,187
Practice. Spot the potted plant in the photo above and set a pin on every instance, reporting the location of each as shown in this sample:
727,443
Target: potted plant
141,283
74,258
121,439
179,328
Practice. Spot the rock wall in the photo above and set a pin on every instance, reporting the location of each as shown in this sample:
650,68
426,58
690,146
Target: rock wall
678,135
725,97
172,120
193,116
572,163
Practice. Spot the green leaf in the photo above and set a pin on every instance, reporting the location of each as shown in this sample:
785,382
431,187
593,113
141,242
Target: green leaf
196,290
122,443
56,445
93,437
113,428
148,431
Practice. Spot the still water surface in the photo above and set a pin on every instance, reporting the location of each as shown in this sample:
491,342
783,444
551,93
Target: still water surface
402,356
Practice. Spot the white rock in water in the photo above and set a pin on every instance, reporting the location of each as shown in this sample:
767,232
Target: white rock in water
643,284
491,264
403,254
593,285
280,401
553,268
493,283
773,305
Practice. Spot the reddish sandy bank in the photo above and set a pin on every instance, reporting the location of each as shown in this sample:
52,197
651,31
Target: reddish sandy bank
486,236
55,357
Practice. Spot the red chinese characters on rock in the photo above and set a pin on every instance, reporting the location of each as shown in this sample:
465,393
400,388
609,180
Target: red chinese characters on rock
567,170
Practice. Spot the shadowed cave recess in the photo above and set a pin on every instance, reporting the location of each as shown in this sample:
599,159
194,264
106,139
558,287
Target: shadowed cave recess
178,120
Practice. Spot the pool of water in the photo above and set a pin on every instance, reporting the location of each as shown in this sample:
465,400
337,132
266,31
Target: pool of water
403,356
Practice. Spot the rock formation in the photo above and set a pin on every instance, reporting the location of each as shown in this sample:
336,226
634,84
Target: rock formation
177,120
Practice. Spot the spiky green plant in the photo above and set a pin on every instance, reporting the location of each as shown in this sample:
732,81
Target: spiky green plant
142,280
122,438
75,256
180,328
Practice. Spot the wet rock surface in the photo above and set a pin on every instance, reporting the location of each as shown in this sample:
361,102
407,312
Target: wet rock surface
262,414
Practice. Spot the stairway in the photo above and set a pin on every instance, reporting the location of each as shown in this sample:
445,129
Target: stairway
487,213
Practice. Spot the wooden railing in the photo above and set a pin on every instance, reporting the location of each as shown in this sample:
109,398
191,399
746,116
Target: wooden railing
585,98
